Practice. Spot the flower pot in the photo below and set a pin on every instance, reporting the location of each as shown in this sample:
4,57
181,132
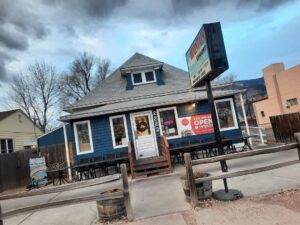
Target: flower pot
204,189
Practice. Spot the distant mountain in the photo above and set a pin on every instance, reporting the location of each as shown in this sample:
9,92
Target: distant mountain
256,87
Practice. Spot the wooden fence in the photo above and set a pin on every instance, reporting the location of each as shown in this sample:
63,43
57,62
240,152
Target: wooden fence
284,126
190,163
14,167
122,193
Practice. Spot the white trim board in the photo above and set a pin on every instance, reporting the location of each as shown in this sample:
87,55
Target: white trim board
113,133
90,137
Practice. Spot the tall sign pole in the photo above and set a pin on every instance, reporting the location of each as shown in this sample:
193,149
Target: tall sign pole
218,136
206,59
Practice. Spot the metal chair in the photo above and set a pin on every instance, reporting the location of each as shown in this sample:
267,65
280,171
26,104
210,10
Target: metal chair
194,150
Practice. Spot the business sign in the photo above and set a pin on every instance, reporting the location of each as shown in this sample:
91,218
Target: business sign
206,57
38,171
196,125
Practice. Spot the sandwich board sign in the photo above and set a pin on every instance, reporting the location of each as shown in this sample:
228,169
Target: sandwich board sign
206,58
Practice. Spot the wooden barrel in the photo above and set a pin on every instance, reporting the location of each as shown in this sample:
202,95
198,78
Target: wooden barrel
204,189
111,209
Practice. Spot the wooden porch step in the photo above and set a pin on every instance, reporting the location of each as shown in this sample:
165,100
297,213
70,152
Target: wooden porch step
152,172
149,161
151,166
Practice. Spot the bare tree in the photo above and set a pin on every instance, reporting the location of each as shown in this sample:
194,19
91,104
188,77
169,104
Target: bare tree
36,92
86,72
225,79
103,69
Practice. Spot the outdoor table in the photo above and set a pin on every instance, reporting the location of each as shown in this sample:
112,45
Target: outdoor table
60,174
95,163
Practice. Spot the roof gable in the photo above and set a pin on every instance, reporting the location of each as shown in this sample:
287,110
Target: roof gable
5,114
139,60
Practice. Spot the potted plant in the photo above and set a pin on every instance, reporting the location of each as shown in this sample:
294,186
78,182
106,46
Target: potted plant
204,189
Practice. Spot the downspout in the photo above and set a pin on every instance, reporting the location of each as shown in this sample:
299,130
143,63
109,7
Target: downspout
67,152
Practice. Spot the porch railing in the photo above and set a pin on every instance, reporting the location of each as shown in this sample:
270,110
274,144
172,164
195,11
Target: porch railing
165,151
131,159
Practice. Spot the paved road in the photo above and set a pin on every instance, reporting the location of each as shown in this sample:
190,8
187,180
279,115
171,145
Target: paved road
163,194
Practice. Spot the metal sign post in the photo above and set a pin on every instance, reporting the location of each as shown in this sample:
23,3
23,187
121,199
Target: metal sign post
226,194
206,59
218,137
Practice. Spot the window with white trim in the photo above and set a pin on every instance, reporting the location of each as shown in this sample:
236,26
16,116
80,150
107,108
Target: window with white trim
226,114
83,137
119,133
168,122
6,146
143,77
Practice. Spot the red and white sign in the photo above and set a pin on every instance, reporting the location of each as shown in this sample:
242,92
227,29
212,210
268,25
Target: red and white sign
196,125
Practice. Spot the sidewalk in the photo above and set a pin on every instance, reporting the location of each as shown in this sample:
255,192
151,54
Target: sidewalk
161,195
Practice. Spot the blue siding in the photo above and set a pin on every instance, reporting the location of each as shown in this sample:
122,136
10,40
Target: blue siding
56,137
102,137
129,85
159,79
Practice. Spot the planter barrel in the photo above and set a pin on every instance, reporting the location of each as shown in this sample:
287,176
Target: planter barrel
204,190
111,209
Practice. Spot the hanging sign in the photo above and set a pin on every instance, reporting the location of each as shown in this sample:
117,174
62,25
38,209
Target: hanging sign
196,125
206,58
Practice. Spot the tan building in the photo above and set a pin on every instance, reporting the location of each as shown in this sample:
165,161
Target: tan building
17,131
283,93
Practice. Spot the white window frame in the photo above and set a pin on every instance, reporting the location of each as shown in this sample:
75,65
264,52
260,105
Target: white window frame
6,142
143,74
176,118
90,137
236,126
113,133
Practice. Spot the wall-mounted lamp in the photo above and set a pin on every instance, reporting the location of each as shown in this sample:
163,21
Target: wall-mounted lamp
194,105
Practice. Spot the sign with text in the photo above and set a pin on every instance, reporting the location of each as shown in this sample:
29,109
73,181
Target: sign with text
38,171
206,58
196,125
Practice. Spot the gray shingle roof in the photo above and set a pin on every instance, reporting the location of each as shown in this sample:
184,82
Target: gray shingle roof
158,101
113,89
111,95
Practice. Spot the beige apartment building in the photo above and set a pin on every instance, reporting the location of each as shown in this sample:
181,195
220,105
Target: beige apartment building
283,93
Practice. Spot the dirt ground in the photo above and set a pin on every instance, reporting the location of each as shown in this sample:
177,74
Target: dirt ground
281,208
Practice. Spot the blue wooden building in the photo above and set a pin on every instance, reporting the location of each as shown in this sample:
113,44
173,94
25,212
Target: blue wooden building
138,103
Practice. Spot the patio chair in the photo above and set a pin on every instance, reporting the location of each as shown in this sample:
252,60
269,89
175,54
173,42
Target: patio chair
83,171
175,155
121,161
111,163
194,150
99,166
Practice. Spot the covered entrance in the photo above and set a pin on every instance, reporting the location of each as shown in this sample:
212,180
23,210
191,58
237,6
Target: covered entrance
144,135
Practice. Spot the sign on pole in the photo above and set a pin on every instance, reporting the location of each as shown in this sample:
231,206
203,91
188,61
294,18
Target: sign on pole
206,57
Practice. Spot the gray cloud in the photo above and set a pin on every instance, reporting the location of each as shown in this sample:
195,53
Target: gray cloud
262,5
4,58
12,40
91,8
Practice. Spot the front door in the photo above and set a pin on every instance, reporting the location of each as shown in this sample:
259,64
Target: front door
144,136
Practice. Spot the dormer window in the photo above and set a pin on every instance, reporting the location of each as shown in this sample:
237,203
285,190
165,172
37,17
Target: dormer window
143,77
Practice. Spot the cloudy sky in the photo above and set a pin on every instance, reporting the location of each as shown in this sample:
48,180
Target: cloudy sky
256,32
